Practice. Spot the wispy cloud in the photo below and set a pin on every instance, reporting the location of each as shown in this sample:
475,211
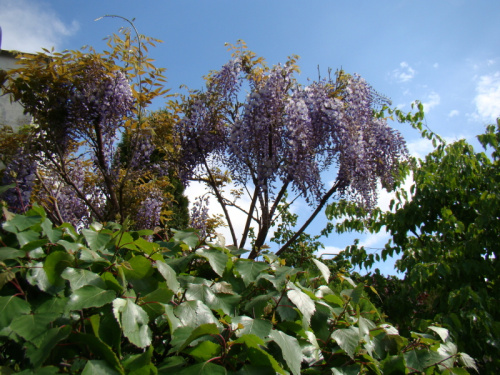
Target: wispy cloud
453,113
29,26
404,73
487,99
432,100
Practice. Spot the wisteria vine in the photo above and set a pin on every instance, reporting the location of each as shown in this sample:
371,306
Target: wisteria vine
285,136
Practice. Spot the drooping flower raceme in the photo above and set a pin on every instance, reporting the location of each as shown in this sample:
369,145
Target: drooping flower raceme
284,133
20,172
99,101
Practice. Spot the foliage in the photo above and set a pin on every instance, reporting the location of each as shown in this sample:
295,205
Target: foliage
445,231
70,160
283,137
108,301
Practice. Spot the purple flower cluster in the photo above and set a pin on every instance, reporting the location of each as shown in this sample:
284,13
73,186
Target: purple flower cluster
142,148
99,101
148,214
285,133
21,172
199,215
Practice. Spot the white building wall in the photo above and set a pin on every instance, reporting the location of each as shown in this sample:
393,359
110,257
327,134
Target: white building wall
11,114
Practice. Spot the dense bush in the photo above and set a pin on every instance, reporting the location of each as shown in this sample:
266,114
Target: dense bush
107,301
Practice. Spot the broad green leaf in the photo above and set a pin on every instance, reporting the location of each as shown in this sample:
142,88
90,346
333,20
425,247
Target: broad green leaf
10,308
258,327
169,275
347,339
139,364
38,353
467,361
442,332
78,277
32,325
154,302
205,368
347,370
6,276
302,301
54,265
323,268
190,238
202,330
97,346
134,322
24,238
52,234
173,321
96,240
394,365
251,341
194,314
73,247
201,292
250,270
98,367
204,351
141,268
290,349
216,258
46,370
21,222
11,253
90,296
171,365
261,358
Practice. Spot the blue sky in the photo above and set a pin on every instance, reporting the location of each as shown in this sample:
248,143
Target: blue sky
445,53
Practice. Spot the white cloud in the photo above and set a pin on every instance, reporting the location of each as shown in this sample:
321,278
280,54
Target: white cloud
453,113
404,73
487,99
433,99
29,26
329,252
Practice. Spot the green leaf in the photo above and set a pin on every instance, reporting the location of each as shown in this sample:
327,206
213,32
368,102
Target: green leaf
24,238
216,258
169,275
257,327
323,268
32,325
10,308
96,240
202,330
442,332
347,339
141,268
38,353
201,292
134,322
290,349
52,234
54,265
302,301
98,367
190,238
194,314
140,364
261,358
90,296
11,253
205,368
79,277
98,347
204,351
250,270
394,365
21,222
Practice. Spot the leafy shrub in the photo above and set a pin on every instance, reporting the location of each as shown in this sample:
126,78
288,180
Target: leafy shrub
107,301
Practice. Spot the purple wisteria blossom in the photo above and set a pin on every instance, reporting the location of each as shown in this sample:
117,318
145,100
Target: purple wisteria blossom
285,136
21,172
148,214
199,215
98,103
